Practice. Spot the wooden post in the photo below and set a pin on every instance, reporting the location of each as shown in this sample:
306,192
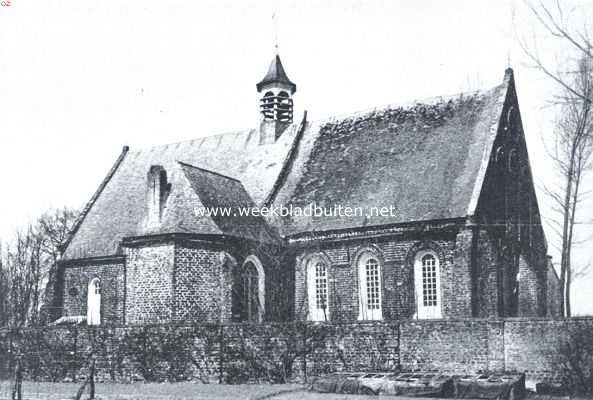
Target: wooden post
221,354
92,383
17,390
305,333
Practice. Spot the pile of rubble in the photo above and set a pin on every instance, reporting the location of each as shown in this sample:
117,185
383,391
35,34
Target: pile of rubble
428,384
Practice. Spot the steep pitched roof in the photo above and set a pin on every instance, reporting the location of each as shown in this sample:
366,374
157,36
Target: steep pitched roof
119,209
221,193
427,159
424,161
276,74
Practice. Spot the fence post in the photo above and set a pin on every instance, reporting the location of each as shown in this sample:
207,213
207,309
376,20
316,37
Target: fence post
17,390
221,354
92,383
74,354
305,333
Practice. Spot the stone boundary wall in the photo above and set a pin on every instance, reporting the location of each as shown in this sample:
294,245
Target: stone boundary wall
550,350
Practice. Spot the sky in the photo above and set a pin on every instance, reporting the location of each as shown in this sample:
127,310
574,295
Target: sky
79,80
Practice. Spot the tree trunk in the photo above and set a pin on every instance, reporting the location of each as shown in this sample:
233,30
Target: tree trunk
565,250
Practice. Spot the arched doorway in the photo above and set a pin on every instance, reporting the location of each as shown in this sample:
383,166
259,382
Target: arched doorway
93,316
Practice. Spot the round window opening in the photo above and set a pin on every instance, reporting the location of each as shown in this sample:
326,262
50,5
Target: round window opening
73,292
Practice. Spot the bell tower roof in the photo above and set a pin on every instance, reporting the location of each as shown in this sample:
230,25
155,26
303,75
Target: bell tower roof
276,76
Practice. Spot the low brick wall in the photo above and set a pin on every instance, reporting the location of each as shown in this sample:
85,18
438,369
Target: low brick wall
465,346
558,351
230,353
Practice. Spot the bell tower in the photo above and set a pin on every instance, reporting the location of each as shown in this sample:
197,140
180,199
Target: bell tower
275,104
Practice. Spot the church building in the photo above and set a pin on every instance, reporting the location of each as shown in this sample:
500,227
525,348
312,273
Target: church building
425,210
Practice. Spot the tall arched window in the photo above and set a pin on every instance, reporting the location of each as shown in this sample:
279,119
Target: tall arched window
428,285
253,290
93,316
370,293
317,288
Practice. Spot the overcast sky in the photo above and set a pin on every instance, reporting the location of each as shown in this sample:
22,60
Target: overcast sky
80,79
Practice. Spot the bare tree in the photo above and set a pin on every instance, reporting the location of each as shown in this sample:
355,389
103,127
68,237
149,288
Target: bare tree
573,134
560,24
572,156
25,264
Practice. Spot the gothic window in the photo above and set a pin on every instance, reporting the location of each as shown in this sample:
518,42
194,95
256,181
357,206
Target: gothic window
94,302
252,291
499,155
428,285
510,120
318,293
369,277
513,161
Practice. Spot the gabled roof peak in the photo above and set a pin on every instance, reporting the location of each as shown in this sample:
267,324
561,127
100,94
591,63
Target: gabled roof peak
276,75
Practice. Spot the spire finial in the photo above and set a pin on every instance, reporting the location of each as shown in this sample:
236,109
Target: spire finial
275,20
509,58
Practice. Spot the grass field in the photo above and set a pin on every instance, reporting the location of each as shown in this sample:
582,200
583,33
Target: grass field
186,391
173,391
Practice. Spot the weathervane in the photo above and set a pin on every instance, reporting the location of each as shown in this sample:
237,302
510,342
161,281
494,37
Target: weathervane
275,20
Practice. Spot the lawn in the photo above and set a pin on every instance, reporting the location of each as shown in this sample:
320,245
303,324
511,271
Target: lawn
173,391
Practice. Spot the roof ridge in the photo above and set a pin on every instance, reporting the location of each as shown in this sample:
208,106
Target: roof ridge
404,104
210,171
235,132
331,118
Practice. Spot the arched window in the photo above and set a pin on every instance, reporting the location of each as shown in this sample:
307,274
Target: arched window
499,155
428,285
93,316
370,295
284,107
267,105
253,290
317,288
513,162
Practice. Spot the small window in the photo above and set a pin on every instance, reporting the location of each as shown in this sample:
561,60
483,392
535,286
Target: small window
499,155
318,296
369,273
510,120
428,285
513,162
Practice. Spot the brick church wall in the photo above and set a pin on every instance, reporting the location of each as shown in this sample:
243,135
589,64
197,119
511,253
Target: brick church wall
528,289
460,296
397,254
511,235
149,283
190,281
202,285
553,295
76,280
